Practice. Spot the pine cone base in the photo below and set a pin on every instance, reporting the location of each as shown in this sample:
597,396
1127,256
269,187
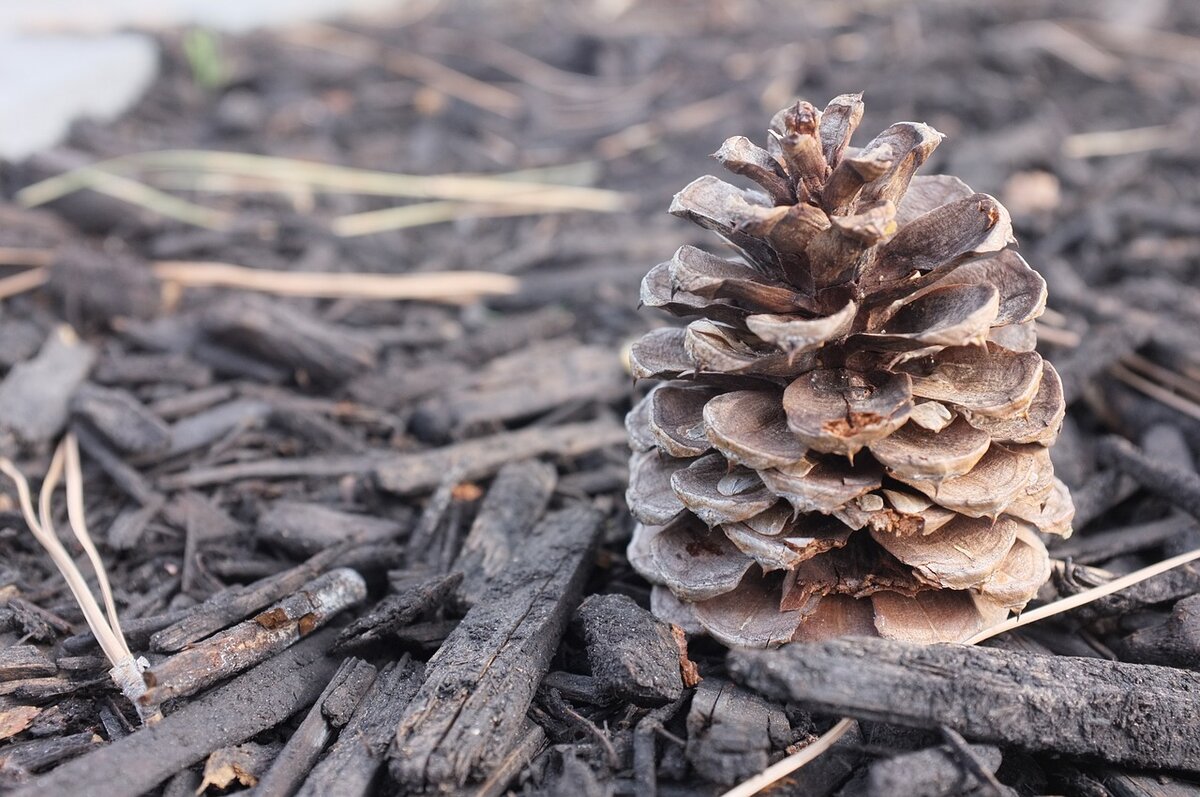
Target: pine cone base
851,433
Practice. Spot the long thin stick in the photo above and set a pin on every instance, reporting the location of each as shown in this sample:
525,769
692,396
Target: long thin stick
330,177
421,214
77,519
23,282
449,286
785,767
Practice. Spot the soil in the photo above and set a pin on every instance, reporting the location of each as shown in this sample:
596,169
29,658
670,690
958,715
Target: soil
228,437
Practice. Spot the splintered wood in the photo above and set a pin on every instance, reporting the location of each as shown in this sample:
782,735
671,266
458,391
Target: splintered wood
464,718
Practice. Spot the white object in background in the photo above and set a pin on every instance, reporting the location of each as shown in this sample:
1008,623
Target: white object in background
48,81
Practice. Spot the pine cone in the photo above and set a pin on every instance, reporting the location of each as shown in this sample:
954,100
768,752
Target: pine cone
853,437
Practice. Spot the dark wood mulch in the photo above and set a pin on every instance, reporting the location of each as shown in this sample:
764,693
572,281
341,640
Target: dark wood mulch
468,461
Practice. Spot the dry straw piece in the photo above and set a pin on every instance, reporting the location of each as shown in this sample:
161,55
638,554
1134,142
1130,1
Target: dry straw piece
126,670
852,435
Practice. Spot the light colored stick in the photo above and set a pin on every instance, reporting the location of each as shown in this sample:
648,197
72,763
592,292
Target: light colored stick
424,213
23,282
329,177
449,286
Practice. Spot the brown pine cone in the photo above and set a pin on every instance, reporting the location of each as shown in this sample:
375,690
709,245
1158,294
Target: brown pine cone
853,437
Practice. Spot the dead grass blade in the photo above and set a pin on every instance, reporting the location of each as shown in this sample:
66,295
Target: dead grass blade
24,256
126,671
499,189
424,213
790,764
23,282
1155,391
127,190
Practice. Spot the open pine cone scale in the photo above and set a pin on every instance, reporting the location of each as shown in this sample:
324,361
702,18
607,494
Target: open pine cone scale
852,435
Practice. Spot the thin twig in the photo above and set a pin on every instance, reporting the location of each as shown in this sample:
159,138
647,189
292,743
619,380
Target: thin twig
499,189
77,520
23,282
1184,384
425,213
23,256
1106,143
449,286
1156,392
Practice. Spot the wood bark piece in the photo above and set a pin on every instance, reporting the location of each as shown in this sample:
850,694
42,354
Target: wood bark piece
275,689
230,606
303,528
524,384
350,767
292,765
283,334
466,715
246,644
407,474
933,772
24,661
121,419
1179,486
632,653
35,394
513,504
731,732
1133,714
397,611
1175,643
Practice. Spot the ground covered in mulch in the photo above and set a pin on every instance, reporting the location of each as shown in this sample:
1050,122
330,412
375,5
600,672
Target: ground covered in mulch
466,461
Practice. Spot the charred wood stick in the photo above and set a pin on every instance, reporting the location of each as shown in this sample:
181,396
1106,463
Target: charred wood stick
632,654
125,477
1176,583
283,468
1105,345
1104,545
352,763
286,336
1100,493
37,754
1180,487
932,771
407,474
513,504
532,741
291,766
464,720
397,611
303,528
645,736
230,606
251,703
24,661
248,643
732,732
1133,714
1175,643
